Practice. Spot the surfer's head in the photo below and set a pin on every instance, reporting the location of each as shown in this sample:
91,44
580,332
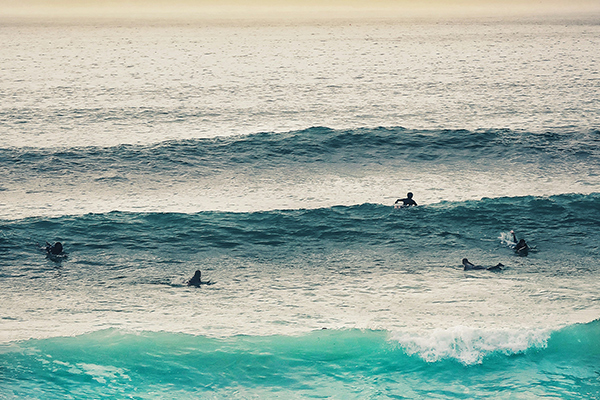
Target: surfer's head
465,261
409,195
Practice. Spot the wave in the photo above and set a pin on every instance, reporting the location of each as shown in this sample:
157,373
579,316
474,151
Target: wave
374,224
313,168
394,145
468,345
166,247
346,363
471,346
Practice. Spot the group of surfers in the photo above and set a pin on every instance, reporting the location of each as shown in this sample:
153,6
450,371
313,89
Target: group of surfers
521,248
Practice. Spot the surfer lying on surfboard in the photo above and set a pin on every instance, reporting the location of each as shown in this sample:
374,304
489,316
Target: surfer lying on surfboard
470,266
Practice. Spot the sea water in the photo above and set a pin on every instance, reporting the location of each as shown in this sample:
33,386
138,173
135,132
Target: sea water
269,156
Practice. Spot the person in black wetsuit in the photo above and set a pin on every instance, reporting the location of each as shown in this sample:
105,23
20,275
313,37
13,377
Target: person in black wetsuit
521,247
468,266
54,249
408,201
197,279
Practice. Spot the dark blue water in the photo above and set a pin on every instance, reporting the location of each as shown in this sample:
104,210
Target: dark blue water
560,226
393,147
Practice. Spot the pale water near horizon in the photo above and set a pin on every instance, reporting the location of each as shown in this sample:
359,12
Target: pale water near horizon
269,157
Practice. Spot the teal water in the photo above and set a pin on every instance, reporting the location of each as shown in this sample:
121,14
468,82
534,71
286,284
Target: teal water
269,158
126,325
330,364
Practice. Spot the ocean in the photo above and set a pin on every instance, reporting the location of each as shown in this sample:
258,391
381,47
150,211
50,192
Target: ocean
269,156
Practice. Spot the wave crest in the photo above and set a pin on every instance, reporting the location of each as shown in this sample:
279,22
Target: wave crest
470,345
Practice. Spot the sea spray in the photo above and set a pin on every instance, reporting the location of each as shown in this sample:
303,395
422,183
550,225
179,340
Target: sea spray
469,345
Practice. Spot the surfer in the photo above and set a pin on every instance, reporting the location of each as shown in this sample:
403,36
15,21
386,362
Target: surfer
468,266
54,249
197,279
407,202
521,247
55,252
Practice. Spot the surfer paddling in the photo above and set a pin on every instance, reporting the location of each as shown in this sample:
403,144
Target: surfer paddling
55,252
406,202
468,266
54,249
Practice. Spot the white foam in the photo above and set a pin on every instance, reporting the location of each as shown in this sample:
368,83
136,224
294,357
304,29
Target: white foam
469,345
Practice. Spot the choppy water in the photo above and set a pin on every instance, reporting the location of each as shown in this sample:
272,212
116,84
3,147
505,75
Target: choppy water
269,157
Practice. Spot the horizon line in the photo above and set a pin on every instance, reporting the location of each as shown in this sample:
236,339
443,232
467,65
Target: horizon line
202,10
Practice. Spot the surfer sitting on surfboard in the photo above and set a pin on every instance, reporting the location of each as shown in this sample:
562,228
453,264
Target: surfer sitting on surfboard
407,202
196,280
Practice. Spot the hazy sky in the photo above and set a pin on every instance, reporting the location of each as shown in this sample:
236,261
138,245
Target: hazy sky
199,9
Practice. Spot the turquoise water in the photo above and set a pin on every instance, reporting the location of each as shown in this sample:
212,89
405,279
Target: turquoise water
269,157
332,364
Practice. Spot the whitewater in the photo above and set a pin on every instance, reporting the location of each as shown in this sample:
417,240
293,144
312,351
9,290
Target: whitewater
269,156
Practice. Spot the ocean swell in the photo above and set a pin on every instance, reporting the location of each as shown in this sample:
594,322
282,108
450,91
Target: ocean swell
347,363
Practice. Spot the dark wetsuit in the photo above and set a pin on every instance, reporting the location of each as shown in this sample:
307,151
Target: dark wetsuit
468,266
54,249
407,202
521,247
196,279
